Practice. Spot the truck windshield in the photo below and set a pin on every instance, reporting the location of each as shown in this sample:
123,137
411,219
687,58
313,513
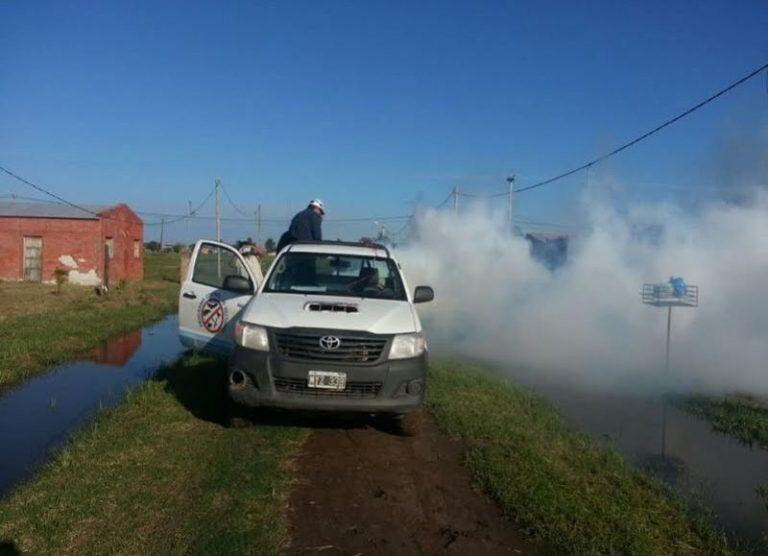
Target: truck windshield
341,275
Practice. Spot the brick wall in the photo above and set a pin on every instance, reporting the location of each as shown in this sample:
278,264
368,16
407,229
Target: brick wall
66,244
127,232
76,245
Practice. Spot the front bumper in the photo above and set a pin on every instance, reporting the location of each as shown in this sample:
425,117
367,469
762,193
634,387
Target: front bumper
274,381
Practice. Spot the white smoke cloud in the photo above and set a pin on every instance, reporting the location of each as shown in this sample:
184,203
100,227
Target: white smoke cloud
585,322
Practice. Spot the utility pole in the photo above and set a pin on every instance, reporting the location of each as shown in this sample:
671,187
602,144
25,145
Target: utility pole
258,224
456,200
162,233
189,221
218,210
510,202
218,224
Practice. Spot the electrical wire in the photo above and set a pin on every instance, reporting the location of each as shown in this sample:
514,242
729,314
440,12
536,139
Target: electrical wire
475,195
445,200
45,191
231,202
272,220
544,224
647,134
586,166
201,205
81,208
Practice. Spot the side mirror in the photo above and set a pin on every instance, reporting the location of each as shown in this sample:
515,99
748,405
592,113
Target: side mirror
423,294
237,284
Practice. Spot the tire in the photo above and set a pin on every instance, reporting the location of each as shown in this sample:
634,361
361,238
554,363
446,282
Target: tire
406,424
236,416
410,424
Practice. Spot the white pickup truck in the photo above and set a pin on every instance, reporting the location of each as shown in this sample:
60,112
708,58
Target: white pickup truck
332,327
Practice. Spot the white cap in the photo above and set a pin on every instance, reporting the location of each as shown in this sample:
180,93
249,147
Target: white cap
317,203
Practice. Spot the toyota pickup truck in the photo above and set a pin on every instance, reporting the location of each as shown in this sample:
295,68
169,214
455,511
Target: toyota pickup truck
333,327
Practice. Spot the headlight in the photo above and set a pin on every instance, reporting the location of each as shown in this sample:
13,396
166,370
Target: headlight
407,345
251,336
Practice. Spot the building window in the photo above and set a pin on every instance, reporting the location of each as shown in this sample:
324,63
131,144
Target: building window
136,249
110,245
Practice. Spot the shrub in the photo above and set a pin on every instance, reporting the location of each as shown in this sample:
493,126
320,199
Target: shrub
61,276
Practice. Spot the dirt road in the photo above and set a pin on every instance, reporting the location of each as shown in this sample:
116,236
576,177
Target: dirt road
363,490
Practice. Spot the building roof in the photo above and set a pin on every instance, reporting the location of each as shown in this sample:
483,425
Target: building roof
24,209
546,236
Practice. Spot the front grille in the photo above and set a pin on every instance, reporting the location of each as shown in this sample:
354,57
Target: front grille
352,349
298,386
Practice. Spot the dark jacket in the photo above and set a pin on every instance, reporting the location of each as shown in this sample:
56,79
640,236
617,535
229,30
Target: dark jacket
305,226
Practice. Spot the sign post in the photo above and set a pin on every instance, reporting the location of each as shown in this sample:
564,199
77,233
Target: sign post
675,293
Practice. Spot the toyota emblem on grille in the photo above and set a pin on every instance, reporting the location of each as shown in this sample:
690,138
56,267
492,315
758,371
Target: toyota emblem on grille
329,343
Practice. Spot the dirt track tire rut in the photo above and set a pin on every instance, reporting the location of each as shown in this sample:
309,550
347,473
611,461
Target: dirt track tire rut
363,490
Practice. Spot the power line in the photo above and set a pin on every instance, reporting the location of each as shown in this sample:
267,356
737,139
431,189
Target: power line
249,219
231,202
45,191
79,207
448,198
201,205
477,195
454,194
179,217
545,224
62,200
647,134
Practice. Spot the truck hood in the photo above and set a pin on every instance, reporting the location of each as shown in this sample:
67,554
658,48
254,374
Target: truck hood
285,310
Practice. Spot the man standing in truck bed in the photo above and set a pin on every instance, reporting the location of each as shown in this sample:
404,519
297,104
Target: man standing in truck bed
305,226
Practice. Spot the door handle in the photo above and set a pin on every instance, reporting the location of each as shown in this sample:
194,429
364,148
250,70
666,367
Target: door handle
189,295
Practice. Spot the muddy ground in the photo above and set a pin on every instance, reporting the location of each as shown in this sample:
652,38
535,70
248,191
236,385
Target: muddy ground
362,489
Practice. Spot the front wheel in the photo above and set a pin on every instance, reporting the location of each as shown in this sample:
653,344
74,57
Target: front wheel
410,424
405,424
236,416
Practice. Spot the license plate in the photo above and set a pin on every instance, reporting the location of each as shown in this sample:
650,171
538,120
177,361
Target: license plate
327,379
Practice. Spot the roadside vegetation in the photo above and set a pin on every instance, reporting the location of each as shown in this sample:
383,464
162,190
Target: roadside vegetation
41,327
561,488
743,417
762,491
161,475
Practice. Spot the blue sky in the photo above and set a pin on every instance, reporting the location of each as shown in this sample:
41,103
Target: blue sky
368,105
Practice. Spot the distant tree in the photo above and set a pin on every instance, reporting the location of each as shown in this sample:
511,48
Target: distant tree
152,246
270,244
178,247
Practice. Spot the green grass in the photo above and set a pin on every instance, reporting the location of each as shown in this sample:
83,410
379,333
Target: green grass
762,491
162,266
743,417
557,485
40,329
160,475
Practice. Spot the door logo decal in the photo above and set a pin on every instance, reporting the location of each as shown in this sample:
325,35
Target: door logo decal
212,314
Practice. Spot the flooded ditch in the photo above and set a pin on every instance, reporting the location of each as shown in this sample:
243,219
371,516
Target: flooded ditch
38,416
681,450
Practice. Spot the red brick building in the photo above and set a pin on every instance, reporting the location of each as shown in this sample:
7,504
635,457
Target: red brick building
38,238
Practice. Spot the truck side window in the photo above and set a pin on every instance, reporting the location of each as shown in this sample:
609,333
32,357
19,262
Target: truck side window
214,264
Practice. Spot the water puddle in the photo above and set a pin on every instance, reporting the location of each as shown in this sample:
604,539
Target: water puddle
675,447
37,417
